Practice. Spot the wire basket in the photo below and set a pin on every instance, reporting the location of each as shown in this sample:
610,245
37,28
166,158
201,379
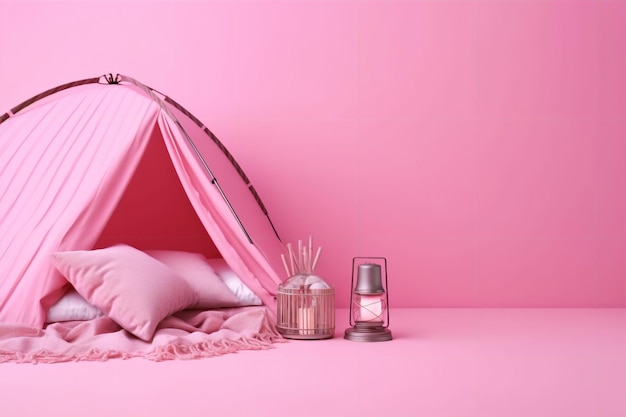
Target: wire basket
306,308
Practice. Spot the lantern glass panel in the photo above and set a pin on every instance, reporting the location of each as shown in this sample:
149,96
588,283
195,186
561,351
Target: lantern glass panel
369,308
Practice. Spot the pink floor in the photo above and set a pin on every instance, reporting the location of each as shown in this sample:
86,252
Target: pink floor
442,362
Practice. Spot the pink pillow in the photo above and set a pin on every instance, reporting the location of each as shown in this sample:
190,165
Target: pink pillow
130,287
194,268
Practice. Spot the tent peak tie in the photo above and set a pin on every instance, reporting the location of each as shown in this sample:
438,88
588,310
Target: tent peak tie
111,79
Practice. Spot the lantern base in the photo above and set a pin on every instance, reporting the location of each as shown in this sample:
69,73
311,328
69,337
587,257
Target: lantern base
367,334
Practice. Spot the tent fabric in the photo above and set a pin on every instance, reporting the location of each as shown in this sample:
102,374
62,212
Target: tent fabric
65,162
248,264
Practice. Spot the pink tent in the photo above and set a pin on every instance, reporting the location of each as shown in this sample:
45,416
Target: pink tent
105,160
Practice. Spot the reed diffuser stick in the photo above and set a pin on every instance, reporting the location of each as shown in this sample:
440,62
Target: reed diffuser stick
301,260
282,256
291,259
308,262
300,255
317,258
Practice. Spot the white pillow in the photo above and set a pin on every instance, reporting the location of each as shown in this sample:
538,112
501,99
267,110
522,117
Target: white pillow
72,307
246,296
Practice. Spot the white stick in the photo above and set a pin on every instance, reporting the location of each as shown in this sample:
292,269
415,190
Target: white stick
310,250
295,262
300,256
305,256
316,260
282,255
293,271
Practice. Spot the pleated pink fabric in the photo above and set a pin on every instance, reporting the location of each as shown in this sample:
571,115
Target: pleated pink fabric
64,165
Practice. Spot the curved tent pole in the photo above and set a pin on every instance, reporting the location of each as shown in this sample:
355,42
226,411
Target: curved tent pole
45,94
152,93
228,155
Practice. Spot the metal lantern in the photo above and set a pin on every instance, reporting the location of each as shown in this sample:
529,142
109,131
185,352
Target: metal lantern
369,302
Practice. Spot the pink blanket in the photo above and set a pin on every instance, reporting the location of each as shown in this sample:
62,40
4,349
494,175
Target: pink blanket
186,335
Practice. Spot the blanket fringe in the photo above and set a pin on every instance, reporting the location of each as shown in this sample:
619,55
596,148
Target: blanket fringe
177,350
267,336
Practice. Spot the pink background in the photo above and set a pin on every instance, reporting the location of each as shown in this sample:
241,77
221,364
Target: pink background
479,145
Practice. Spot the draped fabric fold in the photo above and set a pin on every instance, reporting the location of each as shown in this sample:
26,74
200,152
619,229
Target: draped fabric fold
247,262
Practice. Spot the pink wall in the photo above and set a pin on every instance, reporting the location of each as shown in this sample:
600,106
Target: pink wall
479,145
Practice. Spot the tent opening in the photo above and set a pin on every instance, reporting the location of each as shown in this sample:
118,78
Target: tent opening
154,211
